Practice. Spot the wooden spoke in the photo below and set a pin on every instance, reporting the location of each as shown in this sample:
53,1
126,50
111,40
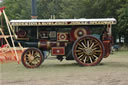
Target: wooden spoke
91,41
88,44
29,52
84,45
84,41
94,49
80,57
95,45
85,59
95,56
97,50
32,53
92,45
90,59
80,53
80,48
36,61
80,45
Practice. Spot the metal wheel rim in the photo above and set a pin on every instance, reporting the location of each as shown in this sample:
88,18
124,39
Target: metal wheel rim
32,58
88,51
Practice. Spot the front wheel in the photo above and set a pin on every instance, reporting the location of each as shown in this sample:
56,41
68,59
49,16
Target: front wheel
88,51
32,58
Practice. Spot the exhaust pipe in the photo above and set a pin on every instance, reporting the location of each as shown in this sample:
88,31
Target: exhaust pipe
34,10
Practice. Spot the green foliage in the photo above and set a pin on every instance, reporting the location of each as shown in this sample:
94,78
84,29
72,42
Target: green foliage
123,20
17,9
64,9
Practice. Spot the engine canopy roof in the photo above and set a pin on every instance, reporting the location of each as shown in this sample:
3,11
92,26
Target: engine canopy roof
61,22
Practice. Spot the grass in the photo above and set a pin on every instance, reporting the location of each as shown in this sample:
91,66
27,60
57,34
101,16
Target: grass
13,73
124,48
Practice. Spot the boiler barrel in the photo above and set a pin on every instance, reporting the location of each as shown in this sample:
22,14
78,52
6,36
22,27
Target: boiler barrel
27,44
43,44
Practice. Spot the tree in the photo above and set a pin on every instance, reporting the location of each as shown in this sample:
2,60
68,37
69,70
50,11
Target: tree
64,9
17,9
123,20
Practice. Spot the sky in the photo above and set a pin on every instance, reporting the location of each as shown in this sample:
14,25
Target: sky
0,1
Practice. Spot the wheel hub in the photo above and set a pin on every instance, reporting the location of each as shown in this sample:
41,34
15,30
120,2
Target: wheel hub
88,51
31,58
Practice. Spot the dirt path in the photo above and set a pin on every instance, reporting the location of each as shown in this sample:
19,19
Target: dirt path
112,71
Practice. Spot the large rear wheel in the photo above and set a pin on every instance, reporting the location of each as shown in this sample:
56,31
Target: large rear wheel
32,58
88,51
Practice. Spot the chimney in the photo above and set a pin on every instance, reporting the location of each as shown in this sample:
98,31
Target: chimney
34,10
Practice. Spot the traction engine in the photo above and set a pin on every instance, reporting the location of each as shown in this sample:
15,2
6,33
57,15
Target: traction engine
70,39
